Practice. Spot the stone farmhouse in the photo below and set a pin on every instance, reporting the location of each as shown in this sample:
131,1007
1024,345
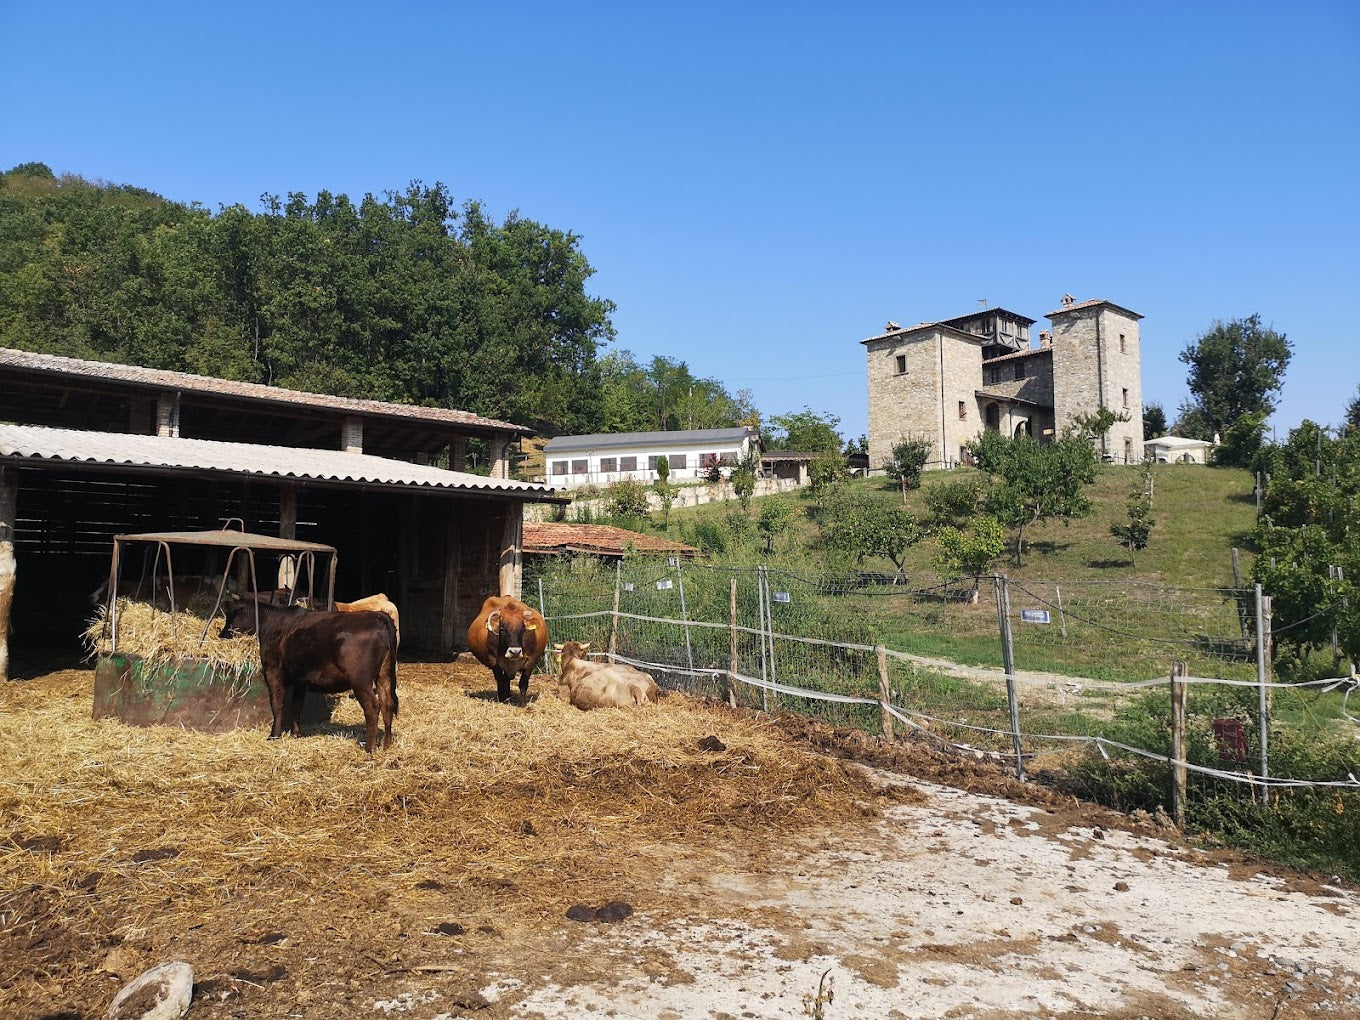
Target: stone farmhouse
949,380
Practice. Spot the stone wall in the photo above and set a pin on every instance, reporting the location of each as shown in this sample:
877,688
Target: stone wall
688,495
1091,371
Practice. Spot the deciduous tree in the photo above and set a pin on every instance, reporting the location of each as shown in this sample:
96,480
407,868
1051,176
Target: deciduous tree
1236,368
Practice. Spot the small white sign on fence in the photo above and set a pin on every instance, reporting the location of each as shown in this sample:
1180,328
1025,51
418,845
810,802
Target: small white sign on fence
664,583
627,585
780,596
1034,616
672,561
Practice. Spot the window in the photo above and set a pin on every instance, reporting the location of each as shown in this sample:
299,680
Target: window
1019,369
1121,343
559,467
627,463
609,464
679,461
963,410
1126,396
728,460
579,467
901,364
651,462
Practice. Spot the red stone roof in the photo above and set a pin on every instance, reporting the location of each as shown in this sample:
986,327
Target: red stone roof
1017,354
554,537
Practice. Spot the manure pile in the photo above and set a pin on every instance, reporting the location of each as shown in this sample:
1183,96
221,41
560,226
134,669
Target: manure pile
191,844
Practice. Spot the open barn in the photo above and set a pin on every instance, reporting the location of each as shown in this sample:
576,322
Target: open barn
93,450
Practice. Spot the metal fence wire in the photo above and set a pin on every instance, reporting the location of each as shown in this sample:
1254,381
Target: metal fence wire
1069,679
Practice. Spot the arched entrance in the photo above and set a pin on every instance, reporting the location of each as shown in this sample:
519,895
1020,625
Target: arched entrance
1021,429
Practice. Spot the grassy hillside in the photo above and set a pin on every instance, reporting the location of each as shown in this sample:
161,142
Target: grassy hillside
1201,514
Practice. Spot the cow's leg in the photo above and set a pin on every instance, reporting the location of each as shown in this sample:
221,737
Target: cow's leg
297,697
366,697
387,694
274,685
524,688
502,687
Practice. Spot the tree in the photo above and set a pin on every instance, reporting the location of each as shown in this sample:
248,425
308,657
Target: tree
970,551
907,460
1134,534
665,495
663,468
861,524
776,517
1235,369
954,503
1035,481
805,431
1242,441
1308,525
1154,421
744,478
1353,411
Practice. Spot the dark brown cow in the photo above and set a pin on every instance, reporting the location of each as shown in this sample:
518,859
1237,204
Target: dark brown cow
508,638
328,652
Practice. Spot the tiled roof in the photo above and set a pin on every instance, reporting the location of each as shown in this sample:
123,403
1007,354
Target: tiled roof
1017,354
52,364
604,440
925,325
1009,398
1081,305
35,443
993,310
600,539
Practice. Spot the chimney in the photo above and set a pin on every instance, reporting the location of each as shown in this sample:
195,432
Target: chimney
1068,300
1045,338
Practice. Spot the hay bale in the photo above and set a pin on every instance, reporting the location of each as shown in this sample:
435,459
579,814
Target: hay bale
158,636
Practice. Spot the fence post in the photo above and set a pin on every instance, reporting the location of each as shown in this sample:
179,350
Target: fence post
1003,616
542,606
614,622
1179,689
760,627
1262,691
684,614
1062,617
1237,584
732,636
883,692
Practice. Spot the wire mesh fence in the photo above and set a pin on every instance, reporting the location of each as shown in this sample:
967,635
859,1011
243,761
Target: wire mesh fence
1066,681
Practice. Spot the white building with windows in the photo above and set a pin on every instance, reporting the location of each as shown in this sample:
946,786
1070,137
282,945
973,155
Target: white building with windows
600,459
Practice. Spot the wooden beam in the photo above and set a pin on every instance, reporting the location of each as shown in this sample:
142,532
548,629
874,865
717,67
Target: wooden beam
512,541
453,551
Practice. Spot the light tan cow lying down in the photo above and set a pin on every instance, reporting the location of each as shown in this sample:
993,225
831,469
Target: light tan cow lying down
379,603
588,684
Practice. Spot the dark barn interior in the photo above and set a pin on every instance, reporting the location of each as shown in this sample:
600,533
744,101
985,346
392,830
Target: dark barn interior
435,541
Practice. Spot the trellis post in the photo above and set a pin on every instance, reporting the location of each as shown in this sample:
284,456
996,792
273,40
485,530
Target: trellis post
883,692
732,638
1003,616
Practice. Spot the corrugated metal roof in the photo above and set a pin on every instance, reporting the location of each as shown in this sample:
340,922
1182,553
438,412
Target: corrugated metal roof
36,443
53,364
688,438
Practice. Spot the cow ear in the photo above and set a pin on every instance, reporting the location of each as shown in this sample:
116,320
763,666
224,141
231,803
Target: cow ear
493,621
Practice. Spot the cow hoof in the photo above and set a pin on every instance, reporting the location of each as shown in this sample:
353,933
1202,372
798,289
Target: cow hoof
274,736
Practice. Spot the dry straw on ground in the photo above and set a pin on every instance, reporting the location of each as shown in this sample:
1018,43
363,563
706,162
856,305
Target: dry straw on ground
109,831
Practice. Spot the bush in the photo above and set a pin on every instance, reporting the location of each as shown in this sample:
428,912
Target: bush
626,498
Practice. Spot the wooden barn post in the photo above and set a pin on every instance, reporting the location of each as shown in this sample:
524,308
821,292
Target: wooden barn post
512,539
9,505
453,561
732,640
884,692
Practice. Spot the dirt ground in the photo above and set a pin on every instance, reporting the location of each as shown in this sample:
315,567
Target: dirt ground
936,887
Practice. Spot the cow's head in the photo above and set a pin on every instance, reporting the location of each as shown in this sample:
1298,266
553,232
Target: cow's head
512,629
240,619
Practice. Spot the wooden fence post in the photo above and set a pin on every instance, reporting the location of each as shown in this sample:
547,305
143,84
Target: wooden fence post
1179,689
614,621
884,693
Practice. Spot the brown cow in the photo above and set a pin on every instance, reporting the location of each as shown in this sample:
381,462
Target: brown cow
586,684
508,638
379,603
329,652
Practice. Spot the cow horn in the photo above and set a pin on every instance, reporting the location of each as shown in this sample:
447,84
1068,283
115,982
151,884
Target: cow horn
492,622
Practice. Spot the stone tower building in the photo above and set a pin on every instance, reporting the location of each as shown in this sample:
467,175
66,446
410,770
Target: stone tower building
948,380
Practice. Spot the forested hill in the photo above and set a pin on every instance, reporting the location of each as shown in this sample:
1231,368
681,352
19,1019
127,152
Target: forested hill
406,298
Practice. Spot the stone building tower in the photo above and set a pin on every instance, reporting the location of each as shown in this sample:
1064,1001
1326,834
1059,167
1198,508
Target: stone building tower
1096,363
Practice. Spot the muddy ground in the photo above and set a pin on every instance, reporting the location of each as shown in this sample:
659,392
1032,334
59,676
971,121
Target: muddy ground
954,891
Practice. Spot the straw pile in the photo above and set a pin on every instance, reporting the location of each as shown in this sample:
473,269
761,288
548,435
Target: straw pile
111,833
158,635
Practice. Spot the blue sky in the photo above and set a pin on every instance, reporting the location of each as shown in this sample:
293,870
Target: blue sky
760,186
